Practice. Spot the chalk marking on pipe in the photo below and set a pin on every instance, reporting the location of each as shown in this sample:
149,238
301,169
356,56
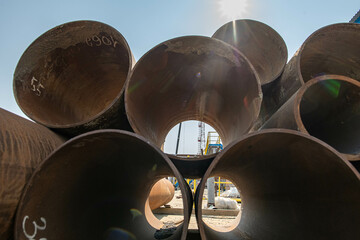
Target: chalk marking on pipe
36,228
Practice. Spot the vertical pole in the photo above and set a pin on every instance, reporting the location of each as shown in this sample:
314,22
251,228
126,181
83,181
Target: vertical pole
211,191
178,138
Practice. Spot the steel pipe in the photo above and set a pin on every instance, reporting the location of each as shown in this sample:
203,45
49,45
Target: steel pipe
96,186
333,49
192,78
193,167
161,193
266,51
293,186
262,45
23,146
326,107
71,78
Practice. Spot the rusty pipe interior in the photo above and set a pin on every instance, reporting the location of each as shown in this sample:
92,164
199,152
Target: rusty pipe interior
326,107
333,49
72,74
330,111
23,146
262,45
292,185
192,78
96,186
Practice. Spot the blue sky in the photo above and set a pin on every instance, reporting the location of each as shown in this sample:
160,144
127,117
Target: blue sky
145,24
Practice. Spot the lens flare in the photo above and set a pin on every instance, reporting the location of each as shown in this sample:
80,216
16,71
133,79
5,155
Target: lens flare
333,87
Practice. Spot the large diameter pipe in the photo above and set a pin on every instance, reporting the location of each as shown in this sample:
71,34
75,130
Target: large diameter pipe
326,107
96,186
23,146
266,51
262,45
161,193
71,78
293,186
334,49
192,78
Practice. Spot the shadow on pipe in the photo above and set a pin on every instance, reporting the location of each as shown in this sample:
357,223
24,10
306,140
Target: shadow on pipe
333,49
293,186
71,78
327,107
23,146
192,78
266,51
96,186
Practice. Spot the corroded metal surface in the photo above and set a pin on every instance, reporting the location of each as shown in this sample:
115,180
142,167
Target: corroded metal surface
161,193
262,45
328,108
71,78
192,78
23,146
333,49
266,51
96,186
293,186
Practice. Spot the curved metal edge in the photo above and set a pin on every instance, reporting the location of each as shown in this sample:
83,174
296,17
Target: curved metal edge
185,190
96,117
200,190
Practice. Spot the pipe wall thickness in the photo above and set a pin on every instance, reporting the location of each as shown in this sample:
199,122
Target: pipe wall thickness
96,186
326,107
293,186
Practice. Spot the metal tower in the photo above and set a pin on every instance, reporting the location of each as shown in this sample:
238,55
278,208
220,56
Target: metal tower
201,138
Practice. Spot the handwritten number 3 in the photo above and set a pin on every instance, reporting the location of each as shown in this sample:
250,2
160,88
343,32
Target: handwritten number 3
36,228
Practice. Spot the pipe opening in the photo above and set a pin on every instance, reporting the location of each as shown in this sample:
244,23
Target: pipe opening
72,73
194,139
97,186
330,111
167,206
186,79
221,205
333,49
289,182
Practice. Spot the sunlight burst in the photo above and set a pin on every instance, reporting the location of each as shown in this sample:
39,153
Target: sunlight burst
233,9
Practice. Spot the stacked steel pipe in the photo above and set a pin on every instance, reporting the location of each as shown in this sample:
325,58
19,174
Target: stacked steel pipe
79,79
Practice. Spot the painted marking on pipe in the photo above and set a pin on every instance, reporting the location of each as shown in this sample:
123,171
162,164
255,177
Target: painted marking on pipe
36,228
97,41
36,86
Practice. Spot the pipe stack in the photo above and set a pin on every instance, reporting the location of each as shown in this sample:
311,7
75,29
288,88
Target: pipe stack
80,80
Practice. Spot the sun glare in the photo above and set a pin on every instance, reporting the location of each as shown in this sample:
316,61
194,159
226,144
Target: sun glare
233,9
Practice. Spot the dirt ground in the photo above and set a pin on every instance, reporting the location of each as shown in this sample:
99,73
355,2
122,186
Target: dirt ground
211,220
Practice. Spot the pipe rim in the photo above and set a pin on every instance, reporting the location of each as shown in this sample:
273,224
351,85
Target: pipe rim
97,115
300,95
47,162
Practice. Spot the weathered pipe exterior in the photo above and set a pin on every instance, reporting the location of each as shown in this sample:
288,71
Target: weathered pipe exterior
192,78
266,51
262,45
96,186
334,49
293,186
72,78
328,108
161,193
23,146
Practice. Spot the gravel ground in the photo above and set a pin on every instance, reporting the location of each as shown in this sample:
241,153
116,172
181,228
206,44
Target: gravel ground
211,220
